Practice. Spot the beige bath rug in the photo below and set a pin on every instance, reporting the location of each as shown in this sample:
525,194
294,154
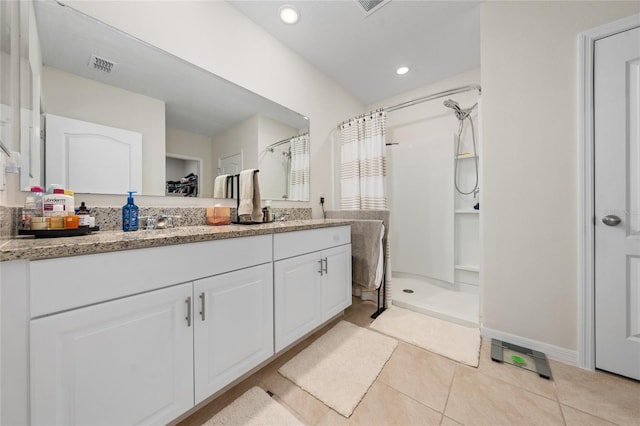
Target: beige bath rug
340,366
453,341
254,407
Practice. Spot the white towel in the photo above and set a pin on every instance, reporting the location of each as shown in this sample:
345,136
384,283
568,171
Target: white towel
220,186
249,209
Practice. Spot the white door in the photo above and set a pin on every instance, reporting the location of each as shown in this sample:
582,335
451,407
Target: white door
617,205
125,362
233,326
92,158
297,297
336,281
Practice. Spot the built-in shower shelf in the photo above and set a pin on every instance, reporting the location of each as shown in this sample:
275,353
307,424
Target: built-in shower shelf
467,211
470,268
463,156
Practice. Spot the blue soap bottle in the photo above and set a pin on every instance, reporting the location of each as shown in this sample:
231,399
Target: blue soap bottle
130,214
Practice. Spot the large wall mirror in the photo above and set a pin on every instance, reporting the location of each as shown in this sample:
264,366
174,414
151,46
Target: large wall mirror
119,113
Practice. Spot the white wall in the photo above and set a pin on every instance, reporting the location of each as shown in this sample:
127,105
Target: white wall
70,96
242,137
274,180
192,145
529,64
216,37
420,178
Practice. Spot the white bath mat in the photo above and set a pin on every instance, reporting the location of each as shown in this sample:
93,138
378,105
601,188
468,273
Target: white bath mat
453,341
340,366
254,407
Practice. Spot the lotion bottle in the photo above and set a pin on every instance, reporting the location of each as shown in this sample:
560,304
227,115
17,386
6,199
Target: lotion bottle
130,215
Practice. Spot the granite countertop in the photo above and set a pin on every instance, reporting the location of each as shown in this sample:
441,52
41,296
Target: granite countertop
107,241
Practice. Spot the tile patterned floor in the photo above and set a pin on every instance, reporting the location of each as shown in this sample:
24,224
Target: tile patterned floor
417,387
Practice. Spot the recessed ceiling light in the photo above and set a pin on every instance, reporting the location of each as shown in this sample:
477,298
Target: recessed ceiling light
289,15
402,70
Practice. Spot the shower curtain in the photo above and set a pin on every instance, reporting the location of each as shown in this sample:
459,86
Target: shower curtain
299,176
363,171
363,163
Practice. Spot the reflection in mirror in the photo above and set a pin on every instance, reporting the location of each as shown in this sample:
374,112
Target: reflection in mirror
192,122
6,78
283,165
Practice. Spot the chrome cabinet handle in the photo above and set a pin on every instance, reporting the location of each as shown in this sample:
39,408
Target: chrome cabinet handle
326,265
202,302
611,220
321,269
188,317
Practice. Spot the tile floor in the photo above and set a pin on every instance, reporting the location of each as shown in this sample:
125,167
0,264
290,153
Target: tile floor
417,387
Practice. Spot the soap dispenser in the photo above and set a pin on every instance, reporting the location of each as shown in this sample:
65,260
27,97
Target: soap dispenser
130,214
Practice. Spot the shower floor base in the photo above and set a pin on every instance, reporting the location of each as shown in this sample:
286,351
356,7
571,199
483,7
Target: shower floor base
432,299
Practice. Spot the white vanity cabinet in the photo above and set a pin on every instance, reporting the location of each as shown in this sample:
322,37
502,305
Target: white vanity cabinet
142,336
149,357
233,326
312,280
128,361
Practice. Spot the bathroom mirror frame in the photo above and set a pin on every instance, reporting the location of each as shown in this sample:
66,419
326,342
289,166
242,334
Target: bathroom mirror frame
243,107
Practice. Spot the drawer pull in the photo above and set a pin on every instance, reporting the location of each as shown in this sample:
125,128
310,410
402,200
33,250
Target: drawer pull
188,317
202,302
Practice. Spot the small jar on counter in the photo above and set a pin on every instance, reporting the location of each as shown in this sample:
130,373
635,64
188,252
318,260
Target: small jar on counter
71,221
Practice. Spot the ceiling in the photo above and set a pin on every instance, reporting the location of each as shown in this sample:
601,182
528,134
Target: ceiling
436,39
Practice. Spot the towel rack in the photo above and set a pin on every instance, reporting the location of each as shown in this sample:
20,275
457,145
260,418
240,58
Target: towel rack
383,286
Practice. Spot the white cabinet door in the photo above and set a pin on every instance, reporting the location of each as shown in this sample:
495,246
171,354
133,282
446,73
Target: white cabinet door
336,281
233,326
297,298
129,361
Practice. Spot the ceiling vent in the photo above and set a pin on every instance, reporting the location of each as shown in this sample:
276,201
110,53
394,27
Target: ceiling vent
101,64
370,6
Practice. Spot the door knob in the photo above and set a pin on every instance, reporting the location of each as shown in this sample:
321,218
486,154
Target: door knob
611,220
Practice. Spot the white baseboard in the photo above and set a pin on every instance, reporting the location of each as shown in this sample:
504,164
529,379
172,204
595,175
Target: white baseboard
556,353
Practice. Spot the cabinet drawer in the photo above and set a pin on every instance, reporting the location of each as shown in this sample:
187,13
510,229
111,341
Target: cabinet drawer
67,283
289,244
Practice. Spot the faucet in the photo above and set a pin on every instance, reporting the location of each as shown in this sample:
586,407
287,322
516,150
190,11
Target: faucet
150,222
166,221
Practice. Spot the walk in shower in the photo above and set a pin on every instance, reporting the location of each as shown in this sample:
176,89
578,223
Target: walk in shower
434,188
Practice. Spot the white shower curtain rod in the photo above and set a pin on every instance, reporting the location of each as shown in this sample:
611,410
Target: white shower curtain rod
434,96
283,141
421,99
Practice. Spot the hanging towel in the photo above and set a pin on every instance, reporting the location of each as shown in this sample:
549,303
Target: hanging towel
249,209
220,186
367,252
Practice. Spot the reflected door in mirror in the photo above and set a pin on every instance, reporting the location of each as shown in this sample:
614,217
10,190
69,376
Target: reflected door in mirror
91,158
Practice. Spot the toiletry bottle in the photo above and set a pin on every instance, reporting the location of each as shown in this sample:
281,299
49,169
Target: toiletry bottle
83,215
269,211
70,207
32,206
28,212
54,204
130,214
37,192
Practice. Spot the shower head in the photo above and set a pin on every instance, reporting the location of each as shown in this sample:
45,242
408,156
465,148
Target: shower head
450,103
460,113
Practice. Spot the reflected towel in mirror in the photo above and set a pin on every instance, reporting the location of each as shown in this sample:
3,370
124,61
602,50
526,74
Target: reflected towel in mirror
249,209
220,186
